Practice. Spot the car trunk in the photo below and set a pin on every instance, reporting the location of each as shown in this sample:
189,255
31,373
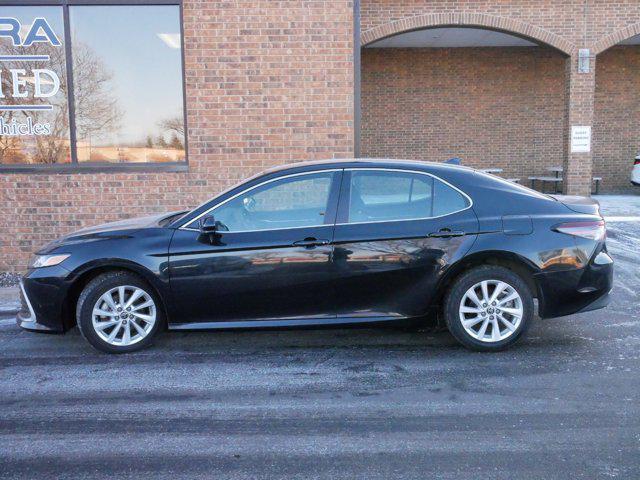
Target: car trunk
579,204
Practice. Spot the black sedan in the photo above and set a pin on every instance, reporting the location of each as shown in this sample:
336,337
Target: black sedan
330,243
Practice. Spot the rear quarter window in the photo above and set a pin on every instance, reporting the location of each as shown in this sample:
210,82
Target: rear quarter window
447,200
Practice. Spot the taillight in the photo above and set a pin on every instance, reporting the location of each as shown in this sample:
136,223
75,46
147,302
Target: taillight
636,161
595,230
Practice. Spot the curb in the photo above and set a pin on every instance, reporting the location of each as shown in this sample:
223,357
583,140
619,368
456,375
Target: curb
9,303
9,310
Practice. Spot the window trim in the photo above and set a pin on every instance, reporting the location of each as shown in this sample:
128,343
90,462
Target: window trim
185,226
404,170
74,166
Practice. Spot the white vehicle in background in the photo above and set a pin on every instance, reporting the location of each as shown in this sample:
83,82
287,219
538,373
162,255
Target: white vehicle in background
635,171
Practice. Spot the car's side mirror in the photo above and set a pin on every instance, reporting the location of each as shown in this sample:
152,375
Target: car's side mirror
208,224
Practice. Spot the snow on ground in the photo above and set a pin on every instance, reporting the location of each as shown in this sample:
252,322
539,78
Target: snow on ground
622,213
619,205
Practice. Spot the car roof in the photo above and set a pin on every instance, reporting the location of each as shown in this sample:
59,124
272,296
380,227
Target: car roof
366,162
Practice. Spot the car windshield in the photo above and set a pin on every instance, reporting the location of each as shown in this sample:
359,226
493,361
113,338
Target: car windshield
171,218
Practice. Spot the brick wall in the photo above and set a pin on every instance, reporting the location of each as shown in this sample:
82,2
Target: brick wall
578,21
566,25
268,82
616,132
493,107
271,82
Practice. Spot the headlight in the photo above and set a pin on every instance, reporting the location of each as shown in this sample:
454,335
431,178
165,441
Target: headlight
49,260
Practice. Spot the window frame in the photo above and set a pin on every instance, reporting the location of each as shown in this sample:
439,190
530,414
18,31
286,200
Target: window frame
330,215
93,167
343,207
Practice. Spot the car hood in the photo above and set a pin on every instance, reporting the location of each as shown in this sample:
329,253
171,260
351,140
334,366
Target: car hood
128,224
121,227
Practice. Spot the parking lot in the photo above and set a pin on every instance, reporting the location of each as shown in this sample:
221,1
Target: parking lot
366,403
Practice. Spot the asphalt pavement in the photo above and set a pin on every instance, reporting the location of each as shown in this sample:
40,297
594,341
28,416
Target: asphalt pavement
360,403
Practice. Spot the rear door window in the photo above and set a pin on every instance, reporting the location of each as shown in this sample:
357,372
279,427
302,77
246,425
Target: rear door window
379,195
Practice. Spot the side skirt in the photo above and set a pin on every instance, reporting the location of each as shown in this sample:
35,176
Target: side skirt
290,322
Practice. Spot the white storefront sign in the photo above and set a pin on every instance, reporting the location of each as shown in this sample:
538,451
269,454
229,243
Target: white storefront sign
34,85
580,139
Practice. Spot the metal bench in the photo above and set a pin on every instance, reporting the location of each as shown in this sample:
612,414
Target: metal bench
554,180
557,180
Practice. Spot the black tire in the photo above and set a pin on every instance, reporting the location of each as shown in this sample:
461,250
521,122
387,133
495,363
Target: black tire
467,280
90,295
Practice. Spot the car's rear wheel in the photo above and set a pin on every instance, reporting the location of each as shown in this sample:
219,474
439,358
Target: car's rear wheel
488,308
118,312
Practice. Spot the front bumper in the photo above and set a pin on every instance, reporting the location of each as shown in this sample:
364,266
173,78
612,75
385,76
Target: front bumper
572,291
42,294
26,317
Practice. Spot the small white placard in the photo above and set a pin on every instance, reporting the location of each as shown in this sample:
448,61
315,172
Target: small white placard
580,139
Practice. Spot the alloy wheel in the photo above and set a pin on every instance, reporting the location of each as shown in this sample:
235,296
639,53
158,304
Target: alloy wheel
124,315
491,311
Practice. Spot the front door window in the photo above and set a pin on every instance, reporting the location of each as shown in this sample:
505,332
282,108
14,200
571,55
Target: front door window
292,202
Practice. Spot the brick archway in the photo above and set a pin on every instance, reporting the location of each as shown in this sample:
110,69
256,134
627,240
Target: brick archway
616,37
507,25
394,87
616,113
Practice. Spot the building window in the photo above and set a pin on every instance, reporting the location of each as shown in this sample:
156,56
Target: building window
34,113
124,103
128,87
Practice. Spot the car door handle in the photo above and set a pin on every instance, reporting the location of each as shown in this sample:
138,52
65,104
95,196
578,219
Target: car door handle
310,242
446,233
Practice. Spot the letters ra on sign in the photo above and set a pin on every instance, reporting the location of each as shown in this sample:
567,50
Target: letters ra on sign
39,32
580,139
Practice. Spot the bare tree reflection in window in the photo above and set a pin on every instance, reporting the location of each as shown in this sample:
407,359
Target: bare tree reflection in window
96,107
98,110
175,127
145,65
45,149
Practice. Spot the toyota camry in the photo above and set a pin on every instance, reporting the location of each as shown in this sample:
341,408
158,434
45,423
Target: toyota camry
330,243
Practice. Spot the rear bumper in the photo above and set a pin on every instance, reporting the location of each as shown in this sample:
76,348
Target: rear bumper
601,302
579,290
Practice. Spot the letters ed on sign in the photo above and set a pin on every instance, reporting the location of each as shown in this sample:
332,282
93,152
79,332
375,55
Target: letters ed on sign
46,82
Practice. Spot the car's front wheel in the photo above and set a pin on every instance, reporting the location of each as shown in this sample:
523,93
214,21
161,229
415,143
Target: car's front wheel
488,308
118,312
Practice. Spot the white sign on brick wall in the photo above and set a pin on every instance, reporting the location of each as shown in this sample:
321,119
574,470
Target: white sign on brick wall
580,139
